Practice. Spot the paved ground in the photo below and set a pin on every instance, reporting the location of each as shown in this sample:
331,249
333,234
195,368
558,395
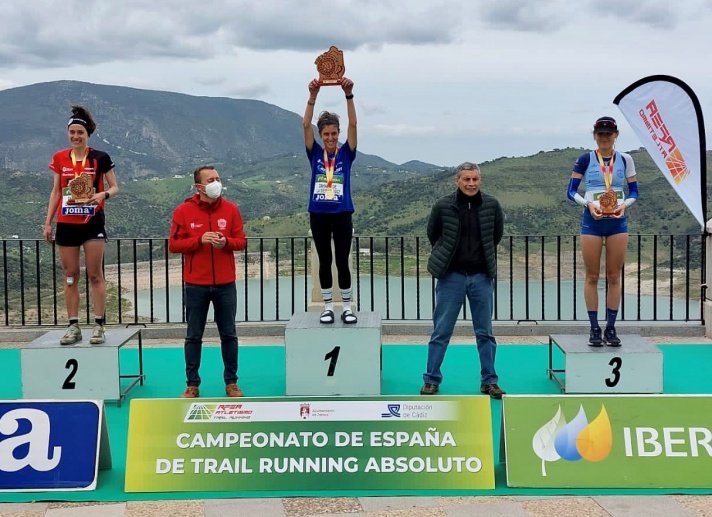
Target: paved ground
506,506
615,506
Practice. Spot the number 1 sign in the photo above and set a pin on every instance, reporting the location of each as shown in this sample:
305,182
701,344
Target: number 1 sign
335,359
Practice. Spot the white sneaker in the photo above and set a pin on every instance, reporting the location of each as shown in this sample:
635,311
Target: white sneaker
97,335
73,334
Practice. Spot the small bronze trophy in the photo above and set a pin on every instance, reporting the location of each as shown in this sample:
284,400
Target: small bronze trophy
609,202
81,189
330,66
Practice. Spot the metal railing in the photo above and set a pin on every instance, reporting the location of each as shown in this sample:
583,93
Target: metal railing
540,278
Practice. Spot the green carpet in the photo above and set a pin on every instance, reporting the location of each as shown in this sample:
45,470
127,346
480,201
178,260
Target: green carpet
521,368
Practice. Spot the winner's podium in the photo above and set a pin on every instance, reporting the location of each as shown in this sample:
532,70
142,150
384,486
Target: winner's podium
78,371
634,367
333,359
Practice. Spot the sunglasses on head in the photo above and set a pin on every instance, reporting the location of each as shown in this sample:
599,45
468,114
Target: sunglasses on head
605,124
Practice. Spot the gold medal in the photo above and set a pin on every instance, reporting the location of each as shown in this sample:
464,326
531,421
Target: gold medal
609,199
81,187
329,169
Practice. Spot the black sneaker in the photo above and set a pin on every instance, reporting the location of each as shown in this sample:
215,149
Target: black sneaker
594,337
611,337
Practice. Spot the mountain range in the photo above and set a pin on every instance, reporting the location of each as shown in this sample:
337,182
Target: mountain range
150,133
157,138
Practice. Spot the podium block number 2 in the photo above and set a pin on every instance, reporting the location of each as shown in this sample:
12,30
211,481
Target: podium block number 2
334,356
72,365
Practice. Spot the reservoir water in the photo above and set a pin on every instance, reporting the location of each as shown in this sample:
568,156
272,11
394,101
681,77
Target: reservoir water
279,299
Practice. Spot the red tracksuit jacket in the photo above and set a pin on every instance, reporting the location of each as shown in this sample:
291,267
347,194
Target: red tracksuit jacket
204,264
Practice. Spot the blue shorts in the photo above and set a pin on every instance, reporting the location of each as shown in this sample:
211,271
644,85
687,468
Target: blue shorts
604,227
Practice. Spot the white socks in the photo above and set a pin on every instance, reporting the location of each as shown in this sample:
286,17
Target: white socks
346,297
328,295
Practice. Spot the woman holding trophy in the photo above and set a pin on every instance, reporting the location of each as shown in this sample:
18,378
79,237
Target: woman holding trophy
606,173
330,203
77,198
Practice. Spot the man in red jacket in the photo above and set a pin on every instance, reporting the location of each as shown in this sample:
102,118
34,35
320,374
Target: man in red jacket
207,229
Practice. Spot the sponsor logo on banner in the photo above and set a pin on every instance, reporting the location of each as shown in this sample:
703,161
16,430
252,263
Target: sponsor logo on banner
653,120
662,441
49,445
393,411
575,440
308,411
292,411
206,412
304,411
412,411
40,456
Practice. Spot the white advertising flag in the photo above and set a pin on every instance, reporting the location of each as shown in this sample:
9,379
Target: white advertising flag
666,115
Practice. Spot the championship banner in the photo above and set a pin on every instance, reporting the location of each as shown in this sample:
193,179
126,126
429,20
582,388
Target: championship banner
52,445
288,444
608,441
666,115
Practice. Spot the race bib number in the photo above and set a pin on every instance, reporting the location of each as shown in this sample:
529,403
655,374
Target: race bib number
320,188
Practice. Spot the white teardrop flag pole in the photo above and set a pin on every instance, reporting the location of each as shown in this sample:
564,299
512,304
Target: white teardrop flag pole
666,115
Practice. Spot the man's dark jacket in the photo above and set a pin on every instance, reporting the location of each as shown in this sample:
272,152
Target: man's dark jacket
444,233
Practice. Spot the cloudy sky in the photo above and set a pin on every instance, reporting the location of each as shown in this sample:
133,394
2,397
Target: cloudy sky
442,81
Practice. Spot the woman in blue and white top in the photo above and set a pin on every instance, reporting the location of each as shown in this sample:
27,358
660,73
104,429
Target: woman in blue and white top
602,170
330,203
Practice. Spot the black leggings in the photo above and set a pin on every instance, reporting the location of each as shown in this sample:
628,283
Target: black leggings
323,226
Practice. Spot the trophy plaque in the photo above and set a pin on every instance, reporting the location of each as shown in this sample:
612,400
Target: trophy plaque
81,189
609,202
330,66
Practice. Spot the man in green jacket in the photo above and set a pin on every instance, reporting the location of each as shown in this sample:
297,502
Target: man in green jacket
464,230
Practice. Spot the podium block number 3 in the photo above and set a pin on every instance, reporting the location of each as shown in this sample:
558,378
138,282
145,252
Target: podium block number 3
72,365
616,363
334,356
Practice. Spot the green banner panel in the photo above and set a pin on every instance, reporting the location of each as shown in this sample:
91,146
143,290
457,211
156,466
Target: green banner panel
636,441
310,443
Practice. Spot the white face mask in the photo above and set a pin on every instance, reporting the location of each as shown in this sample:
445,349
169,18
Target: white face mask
213,190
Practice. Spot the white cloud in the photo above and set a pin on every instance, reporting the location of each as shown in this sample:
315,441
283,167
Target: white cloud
442,81
45,33
655,13
250,91
405,130
525,15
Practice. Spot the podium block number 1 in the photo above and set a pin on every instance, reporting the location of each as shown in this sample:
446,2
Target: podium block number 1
334,356
328,360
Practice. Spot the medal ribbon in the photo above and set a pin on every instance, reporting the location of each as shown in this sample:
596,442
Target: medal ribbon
329,167
74,162
607,175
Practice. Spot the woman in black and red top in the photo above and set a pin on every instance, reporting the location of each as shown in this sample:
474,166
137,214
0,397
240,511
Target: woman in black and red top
80,220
